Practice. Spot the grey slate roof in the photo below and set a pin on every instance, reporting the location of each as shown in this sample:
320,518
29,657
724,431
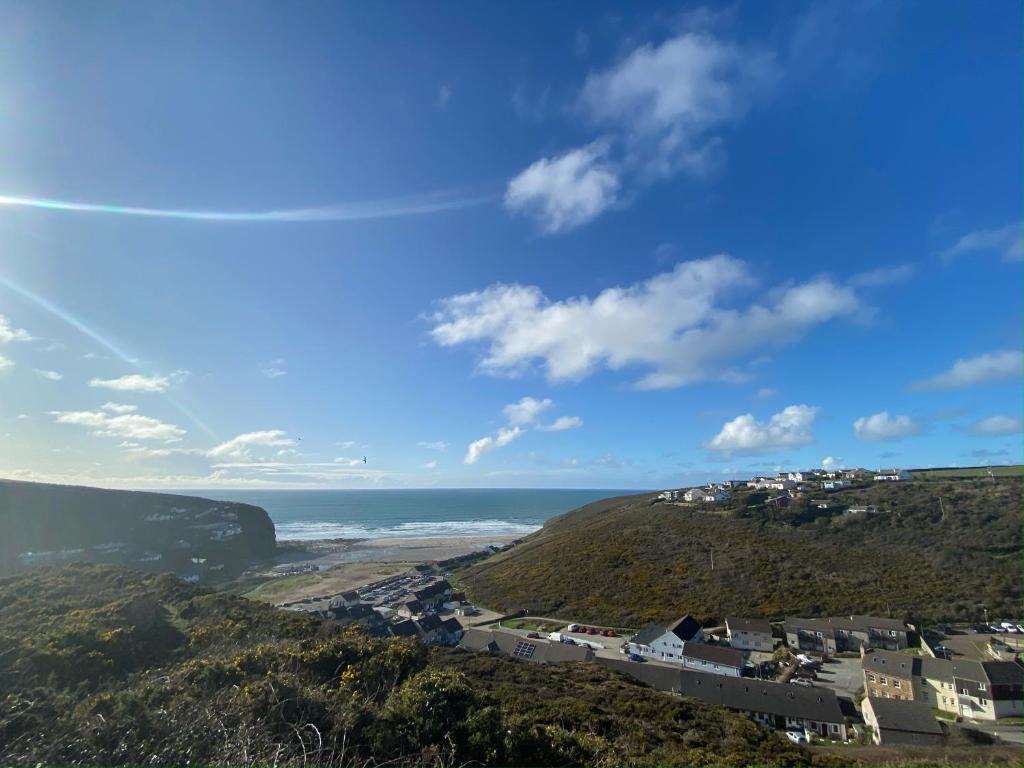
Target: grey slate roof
685,628
1004,672
734,623
648,634
909,716
879,622
890,663
505,641
737,693
429,623
715,654
451,625
405,628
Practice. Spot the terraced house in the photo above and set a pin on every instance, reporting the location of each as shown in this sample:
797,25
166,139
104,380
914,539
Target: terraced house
842,633
977,690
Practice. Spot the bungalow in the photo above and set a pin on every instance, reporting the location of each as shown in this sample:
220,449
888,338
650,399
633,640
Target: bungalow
509,643
668,495
778,484
901,722
749,634
862,509
797,477
713,659
779,501
694,494
776,705
892,475
714,496
666,642
834,485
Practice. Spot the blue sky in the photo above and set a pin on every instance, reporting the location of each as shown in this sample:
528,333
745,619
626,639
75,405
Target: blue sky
531,244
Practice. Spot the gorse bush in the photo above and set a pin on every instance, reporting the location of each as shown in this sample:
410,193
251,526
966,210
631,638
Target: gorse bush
103,666
627,561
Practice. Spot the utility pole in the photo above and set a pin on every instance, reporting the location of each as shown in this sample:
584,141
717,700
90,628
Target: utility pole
712,551
942,507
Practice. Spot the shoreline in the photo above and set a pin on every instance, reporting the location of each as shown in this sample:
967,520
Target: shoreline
329,552
344,564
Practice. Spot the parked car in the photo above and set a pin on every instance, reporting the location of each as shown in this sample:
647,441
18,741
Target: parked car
806,674
797,737
532,634
1020,627
635,657
801,681
609,633
981,628
996,628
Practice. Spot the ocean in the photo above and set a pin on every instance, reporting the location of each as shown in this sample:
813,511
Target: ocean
409,514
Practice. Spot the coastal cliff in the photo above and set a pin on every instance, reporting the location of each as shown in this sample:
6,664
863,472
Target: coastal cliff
194,537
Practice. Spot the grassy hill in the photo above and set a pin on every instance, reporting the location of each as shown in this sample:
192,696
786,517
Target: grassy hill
42,523
628,560
104,666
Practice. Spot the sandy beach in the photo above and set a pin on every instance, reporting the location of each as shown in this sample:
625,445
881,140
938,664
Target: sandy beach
350,563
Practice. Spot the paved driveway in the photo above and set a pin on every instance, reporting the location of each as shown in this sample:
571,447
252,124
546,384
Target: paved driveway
843,676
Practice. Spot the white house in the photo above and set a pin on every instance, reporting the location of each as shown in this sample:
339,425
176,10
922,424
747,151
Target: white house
695,494
889,475
656,641
797,477
715,495
834,485
668,495
749,634
778,484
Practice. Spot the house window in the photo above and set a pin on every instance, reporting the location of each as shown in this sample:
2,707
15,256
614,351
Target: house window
981,686
871,677
885,694
984,702
963,691
896,684
892,633
884,680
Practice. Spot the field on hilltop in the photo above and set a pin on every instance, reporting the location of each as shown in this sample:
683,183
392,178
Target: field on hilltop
629,560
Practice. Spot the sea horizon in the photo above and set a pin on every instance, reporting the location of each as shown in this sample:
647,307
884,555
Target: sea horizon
410,513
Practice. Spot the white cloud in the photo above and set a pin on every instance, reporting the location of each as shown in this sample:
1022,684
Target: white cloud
899,273
50,375
672,324
23,416
444,95
132,426
240,447
273,369
666,101
9,333
996,425
882,426
526,410
832,462
486,444
967,372
1007,241
347,462
134,383
429,465
437,445
660,111
119,407
789,428
562,423
566,191
764,393
345,443
6,362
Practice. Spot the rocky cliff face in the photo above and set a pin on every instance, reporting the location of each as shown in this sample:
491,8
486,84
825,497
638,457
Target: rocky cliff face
191,536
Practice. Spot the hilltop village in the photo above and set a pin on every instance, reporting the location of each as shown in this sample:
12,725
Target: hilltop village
832,679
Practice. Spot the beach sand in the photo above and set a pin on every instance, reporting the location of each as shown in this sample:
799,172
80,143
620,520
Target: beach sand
348,564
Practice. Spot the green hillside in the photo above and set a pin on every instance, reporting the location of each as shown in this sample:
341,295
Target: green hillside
629,560
104,666
43,524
